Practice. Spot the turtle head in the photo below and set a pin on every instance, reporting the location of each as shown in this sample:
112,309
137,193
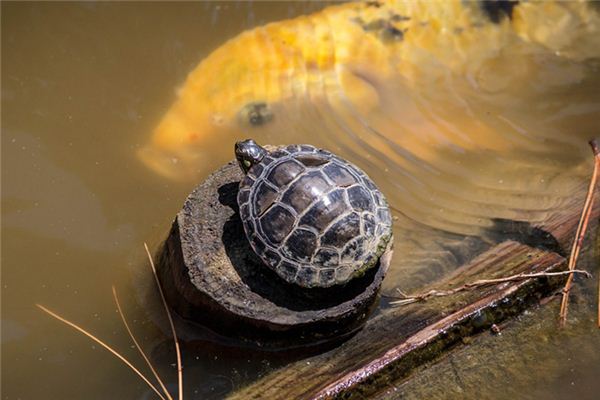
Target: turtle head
248,153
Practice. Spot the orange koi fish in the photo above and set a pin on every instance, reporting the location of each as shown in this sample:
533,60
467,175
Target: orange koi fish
362,57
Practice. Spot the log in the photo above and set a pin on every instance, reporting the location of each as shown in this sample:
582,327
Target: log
212,276
531,353
399,340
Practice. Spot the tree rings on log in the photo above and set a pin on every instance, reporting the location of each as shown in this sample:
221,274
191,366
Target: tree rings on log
211,276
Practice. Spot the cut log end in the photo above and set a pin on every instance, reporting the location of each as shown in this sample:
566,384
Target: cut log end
212,276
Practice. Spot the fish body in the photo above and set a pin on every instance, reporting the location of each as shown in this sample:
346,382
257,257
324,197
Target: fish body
363,56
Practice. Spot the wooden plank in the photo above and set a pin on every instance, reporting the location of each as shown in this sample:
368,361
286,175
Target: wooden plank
398,340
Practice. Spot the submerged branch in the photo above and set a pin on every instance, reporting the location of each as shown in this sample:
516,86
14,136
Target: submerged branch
404,299
580,234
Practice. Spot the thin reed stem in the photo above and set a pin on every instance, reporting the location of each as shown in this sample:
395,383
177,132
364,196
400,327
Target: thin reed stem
101,343
137,345
164,301
580,234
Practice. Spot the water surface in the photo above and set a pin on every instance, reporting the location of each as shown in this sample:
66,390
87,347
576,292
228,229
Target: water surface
84,85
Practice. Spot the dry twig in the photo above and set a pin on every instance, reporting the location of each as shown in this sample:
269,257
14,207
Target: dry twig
164,301
101,343
404,299
138,347
580,234
123,359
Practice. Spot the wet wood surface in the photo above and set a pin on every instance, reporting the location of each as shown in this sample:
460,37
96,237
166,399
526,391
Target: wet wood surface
398,340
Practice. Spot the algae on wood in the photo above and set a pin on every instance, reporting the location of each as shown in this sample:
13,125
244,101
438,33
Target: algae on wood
531,358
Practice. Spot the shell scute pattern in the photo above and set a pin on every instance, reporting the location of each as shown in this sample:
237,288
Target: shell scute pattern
265,197
312,217
312,160
360,199
257,170
324,211
305,190
353,250
301,245
287,271
243,196
266,161
338,175
341,231
272,257
279,153
247,182
306,275
369,225
277,223
327,257
284,173
258,245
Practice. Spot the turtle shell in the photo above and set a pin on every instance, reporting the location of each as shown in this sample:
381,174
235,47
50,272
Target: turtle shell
315,219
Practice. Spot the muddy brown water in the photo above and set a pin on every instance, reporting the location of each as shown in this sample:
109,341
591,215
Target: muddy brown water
83,86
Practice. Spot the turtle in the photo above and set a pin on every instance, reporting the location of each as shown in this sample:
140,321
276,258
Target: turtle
314,218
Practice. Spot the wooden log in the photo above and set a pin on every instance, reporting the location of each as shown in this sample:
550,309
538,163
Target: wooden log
212,276
531,353
398,340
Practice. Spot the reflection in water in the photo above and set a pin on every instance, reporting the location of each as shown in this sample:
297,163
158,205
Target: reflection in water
463,122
